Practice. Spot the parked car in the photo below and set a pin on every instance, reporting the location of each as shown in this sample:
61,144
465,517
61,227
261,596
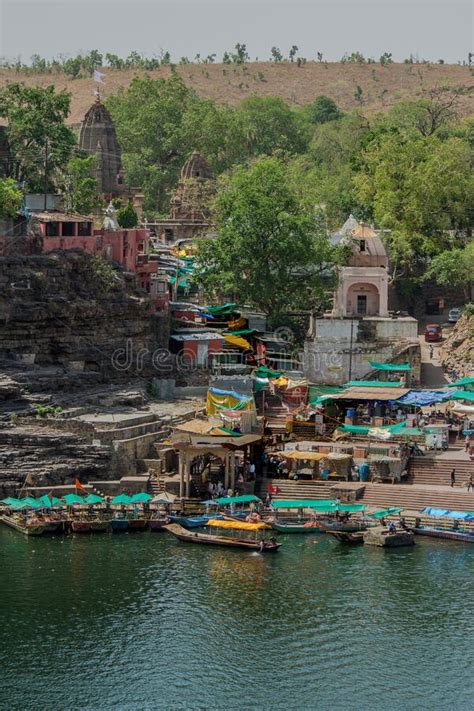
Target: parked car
433,333
454,315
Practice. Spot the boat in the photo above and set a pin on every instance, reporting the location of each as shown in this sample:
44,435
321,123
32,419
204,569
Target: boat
290,527
449,535
99,525
237,525
187,536
190,521
138,523
346,526
80,526
28,528
347,537
385,537
157,522
119,522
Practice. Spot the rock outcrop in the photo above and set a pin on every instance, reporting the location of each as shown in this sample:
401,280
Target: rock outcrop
457,351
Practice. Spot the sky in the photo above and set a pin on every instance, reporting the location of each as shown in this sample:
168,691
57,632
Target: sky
429,29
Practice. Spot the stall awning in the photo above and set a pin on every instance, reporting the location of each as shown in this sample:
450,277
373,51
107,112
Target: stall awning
462,395
244,499
424,397
304,456
444,513
358,393
394,367
316,504
370,384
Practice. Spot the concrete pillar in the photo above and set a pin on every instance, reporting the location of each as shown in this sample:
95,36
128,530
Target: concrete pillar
181,475
226,470
188,475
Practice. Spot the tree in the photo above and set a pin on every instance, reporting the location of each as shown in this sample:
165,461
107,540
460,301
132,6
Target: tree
126,216
72,67
10,197
81,185
324,109
292,53
454,268
358,94
240,56
268,252
276,54
36,132
386,58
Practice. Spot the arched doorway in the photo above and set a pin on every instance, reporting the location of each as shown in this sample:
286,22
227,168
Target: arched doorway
363,300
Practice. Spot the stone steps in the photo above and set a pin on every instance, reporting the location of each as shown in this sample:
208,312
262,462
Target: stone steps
429,471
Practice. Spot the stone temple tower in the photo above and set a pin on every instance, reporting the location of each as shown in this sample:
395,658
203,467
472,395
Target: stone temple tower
98,137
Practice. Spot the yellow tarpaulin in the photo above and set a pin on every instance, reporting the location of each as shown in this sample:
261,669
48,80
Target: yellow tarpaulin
280,382
305,456
237,341
238,323
237,525
216,403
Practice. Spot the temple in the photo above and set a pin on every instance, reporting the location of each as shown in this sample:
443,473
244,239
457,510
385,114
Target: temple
359,328
98,138
189,207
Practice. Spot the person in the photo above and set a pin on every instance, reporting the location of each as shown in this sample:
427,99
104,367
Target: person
268,500
453,477
391,527
251,471
470,484
261,545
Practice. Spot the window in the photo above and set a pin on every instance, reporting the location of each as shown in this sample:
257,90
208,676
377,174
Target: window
68,229
84,229
362,245
52,229
361,304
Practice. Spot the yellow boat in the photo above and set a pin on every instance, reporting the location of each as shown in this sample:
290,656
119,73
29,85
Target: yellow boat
237,525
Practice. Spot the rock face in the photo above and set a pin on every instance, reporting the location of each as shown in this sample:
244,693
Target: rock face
457,352
70,309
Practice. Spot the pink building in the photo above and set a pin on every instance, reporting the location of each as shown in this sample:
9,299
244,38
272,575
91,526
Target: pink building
128,247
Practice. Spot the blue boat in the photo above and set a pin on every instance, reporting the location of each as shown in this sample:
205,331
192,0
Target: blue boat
190,521
119,522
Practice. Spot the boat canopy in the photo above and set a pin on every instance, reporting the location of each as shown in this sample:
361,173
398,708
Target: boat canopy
244,499
122,499
444,513
94,499
381,513
394,367
71,499
351,508
141,498
316,504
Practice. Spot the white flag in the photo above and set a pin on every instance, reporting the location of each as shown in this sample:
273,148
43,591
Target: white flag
97,76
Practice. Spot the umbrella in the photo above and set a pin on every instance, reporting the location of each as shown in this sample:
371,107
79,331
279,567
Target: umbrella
164,498
140,498
94,499
122,499
48,502
71,499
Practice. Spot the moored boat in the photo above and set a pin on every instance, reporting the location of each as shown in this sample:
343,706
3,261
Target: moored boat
190,521
119,523
137,524
99,525
346,537
80,526
158,522
346,526
293,527
187,536
446,534
28,528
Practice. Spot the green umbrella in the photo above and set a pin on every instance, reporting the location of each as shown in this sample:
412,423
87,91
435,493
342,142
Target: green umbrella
141,498
71,499
122,499
94,499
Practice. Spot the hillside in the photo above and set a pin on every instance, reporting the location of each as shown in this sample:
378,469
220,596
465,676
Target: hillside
381,86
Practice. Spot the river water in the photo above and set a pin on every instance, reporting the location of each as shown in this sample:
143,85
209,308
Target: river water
141,621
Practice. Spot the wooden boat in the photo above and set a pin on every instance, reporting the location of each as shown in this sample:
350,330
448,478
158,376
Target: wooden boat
346,537
80,526
207,539
157,523
190,521
290,527
384,537
28,528
137,524
345,527
119,523
237,525
449,535
99,525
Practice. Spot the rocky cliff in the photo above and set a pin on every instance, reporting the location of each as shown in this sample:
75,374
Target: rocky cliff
457,352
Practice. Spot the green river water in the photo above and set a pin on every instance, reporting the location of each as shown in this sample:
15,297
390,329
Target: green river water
141,621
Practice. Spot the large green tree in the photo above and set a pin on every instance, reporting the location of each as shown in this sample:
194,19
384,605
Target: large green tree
10,197
81,185
40,141
269,251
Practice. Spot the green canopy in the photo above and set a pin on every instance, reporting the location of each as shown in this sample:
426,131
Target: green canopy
27,503
48,502
223,309
94,499
9,501
239,332
71,499
462,395
319,393
461,383
122,499
364,429
316,504
264,372
371,384
351,508
354,429
402,367
244,499
141,498
384,512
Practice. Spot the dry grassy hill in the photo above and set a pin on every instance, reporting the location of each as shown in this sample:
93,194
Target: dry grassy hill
381,86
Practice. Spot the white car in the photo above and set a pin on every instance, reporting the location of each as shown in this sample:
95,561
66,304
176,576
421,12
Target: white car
454,315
